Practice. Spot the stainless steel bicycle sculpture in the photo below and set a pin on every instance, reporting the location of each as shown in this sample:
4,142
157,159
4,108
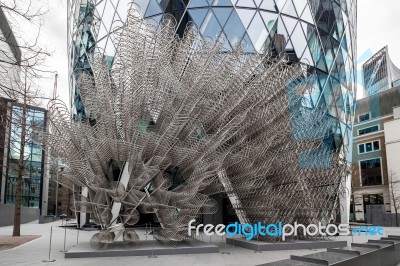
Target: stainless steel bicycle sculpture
182,119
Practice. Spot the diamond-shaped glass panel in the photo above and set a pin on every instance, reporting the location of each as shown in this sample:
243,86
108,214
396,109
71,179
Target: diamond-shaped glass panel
109,49
210,26
158,18
234,29
102,35
290,24
268,5
289,9
322,79
281,29
316,90
280,4
307,29
270,19
143,4
300,5
101,44
222,14
224,40
315,48
257,32
198,15
153,9
245,15
307,16
299,40
334,32
107,18
307,58
100,8
123,6
340,27
248,45
321,64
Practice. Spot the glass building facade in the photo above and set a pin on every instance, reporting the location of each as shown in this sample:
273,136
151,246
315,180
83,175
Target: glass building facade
32,184
317,33
379,73
91,24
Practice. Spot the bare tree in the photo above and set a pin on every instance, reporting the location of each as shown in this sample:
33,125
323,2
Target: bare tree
22,132
394,191
23,12
21,68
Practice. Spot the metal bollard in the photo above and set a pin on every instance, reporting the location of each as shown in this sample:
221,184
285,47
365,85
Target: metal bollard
225,252
152,250
77,238
51,235
258,247
65,238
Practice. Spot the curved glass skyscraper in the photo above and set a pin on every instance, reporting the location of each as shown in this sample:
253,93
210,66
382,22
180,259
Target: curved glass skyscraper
318,33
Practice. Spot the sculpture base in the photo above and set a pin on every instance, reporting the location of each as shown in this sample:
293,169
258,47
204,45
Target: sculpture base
145,248
265,246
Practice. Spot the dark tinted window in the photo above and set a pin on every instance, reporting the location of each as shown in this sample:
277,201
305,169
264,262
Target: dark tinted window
371,172
376,145
361,148
362,118
368,130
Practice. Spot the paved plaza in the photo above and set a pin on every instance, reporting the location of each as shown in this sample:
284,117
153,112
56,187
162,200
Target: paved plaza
34,252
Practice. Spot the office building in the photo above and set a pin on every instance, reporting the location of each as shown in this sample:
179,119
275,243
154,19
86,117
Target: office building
34,184
375,152
379,73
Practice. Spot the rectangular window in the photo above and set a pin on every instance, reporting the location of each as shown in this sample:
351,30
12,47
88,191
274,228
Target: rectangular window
361,148
368,147
368,130
376,145
363,117
371,174
372,199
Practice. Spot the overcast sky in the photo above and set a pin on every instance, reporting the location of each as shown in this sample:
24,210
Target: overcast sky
378,25
55,32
